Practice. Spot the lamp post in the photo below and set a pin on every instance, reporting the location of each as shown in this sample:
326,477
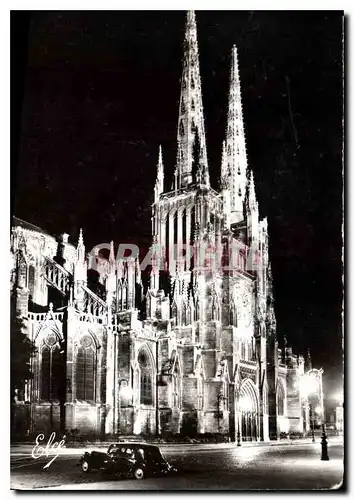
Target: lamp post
309,384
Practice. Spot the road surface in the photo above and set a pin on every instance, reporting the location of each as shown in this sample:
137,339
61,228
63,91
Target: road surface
280,466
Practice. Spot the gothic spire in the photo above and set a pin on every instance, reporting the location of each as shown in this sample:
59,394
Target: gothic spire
159,177
251,194
235,142
191,117
80,271
80,250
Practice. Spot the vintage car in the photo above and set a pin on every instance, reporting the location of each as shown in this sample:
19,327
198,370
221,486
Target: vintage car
136,460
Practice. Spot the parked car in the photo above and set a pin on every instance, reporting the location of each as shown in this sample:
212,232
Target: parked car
137,460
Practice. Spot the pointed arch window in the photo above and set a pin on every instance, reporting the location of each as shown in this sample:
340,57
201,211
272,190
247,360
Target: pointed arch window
181,128
85,370
229,149
281,400
193,105
31,278
226,395
265,401
22,272
51,370
200,392
176,389
193,127
192,83
146,393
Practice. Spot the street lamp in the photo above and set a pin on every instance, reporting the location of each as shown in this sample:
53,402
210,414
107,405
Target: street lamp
309,385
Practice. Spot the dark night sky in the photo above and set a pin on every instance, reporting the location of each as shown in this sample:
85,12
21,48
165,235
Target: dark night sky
101,92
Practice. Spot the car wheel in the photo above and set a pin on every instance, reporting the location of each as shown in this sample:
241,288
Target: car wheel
85,466
139,473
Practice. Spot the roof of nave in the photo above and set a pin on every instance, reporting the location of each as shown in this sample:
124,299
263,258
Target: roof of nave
16,221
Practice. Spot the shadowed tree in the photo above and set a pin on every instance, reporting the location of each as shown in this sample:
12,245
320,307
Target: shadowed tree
22,349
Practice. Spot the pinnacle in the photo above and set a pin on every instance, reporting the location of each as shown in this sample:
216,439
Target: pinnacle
81,238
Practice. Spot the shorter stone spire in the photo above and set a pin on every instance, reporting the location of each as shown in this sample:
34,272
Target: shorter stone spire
80,271
160,176
80,250
251,198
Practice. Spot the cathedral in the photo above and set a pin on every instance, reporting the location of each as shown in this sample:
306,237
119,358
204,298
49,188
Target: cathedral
194,353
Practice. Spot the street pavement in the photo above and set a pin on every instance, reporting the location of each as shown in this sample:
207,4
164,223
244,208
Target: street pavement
258,466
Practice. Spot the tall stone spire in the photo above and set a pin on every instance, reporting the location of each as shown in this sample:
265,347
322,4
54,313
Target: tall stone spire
191,117
235,142
159,177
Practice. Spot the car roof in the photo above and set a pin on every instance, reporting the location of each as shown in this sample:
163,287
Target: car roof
134,444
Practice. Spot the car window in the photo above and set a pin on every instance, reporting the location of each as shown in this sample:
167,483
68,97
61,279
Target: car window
140,453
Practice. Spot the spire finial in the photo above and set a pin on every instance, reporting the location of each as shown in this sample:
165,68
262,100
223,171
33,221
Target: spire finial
191,116
235,141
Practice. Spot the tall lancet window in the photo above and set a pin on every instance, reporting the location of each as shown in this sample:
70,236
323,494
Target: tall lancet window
85,369
146,393
200,392
175,389
281,399
51,369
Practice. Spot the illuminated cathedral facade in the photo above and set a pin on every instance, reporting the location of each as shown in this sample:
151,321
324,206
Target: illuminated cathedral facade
196,352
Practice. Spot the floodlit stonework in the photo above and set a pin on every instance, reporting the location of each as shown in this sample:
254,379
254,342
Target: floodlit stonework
196,352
